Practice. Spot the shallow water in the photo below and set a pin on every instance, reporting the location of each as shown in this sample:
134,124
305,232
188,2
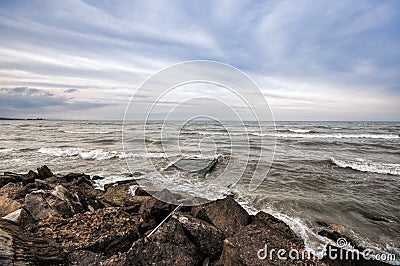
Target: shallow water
336,172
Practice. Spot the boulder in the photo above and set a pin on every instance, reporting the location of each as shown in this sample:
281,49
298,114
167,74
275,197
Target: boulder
107,231
19,247
117,195
205,236
44,172
169,245
8,206
252,246
10,177
14,191
226,214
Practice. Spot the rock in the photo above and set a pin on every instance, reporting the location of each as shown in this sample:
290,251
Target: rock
18,217
106,231
226,214
245,247
74,177
44,172
205,236
277,226
8,206
30,177
10,177
117,195
140,191
84,257
167,246
14,191
19,247
118,259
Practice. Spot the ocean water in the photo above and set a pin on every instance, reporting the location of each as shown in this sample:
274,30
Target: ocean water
335,172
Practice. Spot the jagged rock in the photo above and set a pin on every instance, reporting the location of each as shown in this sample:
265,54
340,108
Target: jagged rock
117,195
226,214
18,217
244,247
44,172
169,245
205,236
14,191
106,231
84,257
30,177
140,191
19,247
8,206
10,177
118,259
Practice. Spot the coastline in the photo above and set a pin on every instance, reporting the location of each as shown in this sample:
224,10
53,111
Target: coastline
64,220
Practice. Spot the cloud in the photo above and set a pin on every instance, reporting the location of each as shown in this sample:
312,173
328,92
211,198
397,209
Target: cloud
298,52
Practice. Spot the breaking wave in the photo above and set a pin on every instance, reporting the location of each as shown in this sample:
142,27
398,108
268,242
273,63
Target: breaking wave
339,136
368,166
98,154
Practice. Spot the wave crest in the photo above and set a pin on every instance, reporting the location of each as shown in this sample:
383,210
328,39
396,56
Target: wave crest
367,166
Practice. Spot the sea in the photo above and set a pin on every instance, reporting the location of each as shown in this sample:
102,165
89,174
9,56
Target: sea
344,173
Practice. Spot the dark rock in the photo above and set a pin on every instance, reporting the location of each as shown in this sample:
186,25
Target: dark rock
277,226
226,214
169,245
74,176
107,231
19,247
44,172
14,191
30,177
244,247
8,206
84,257
140,191
205,236
59,202
10,177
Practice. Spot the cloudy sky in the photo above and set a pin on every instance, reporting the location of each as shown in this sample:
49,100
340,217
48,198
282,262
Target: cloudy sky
312,60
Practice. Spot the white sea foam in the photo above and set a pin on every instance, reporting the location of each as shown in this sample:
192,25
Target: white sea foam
97,154
8,150
87,132
339,136
368,166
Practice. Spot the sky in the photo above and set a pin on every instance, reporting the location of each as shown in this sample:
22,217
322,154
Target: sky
311,60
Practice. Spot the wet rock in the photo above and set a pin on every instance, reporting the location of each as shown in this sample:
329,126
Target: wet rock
140,191
44,172
19,247
205,236
30,177
84,257
253,243
226,214
14,191
266,220
169,245
8,206
106,231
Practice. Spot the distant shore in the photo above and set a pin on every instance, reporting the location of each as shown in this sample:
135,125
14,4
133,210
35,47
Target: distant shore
10,118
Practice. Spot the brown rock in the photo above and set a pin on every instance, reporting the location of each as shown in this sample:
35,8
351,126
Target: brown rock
226,214
205,236
18,217
15,191
19,247
44,172
167,246
8,206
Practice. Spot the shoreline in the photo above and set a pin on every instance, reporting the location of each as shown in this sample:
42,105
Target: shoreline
64,220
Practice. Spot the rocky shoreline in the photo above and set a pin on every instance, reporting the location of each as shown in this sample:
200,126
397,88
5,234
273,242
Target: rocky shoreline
52,219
